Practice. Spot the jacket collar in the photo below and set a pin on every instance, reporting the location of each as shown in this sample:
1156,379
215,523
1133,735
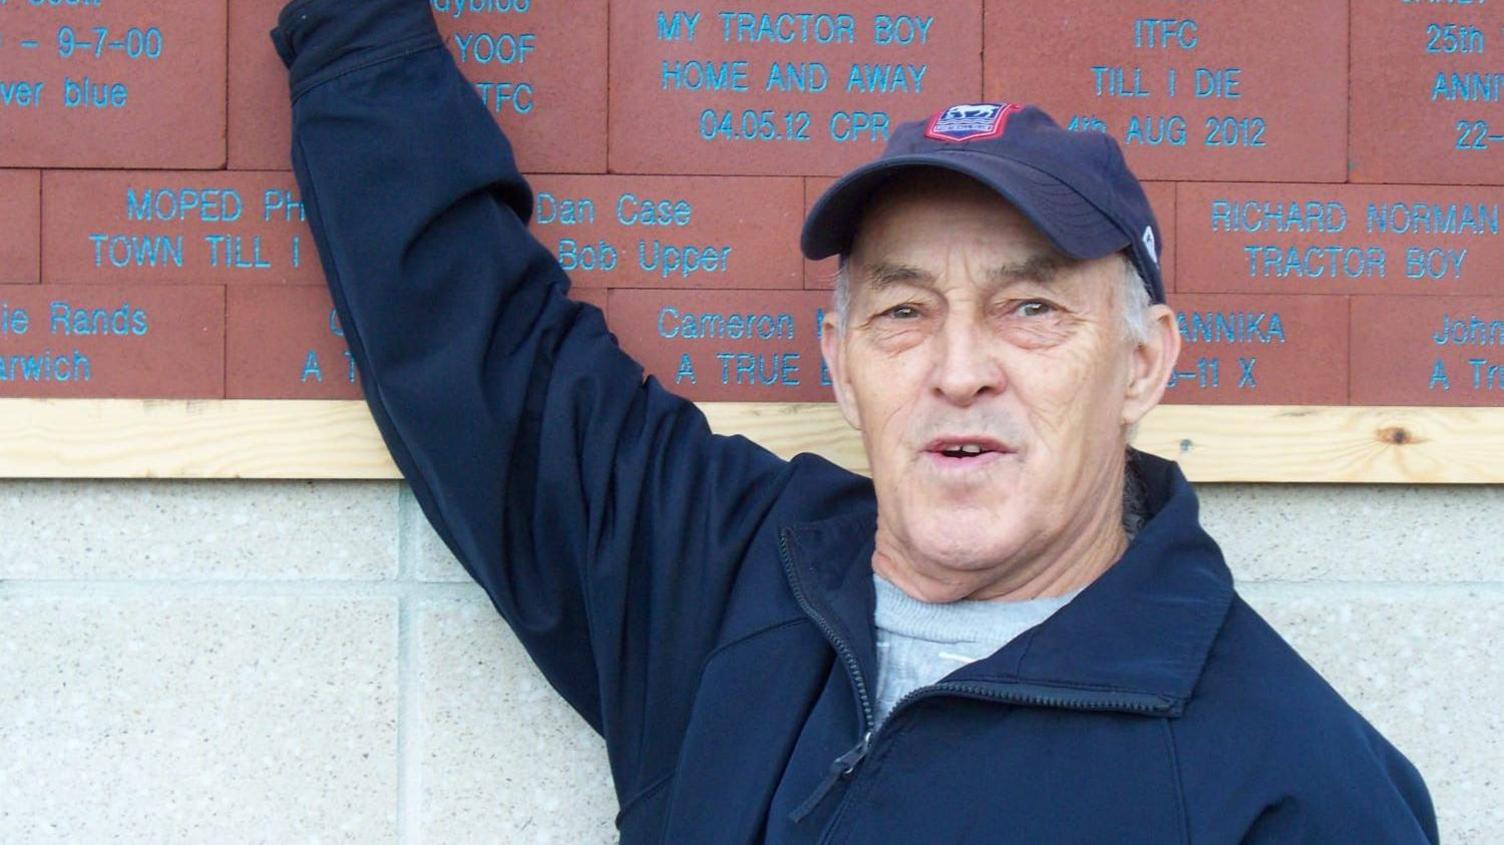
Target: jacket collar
1144,627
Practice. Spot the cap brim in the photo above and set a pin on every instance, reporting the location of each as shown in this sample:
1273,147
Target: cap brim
1075,226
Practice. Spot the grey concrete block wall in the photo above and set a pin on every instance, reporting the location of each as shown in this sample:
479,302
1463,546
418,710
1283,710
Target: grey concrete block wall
1423,668
193,661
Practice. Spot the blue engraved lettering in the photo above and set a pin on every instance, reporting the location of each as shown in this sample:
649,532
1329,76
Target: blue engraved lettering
311,368
901,30
686,370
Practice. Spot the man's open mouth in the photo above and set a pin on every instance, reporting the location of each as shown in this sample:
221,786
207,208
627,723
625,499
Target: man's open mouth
965,448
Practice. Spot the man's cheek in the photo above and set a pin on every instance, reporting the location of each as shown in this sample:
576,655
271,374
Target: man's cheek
882,395
1049,411
1063,398
892,425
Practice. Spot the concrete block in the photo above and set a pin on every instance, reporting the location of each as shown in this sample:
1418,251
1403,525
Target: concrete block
429,558
1350,532
1422,667
171,719
197,529
503,758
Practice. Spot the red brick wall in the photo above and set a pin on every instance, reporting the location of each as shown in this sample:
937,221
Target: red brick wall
1322,171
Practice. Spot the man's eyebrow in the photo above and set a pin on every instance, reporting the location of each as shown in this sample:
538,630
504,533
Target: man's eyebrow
885,274
1042,268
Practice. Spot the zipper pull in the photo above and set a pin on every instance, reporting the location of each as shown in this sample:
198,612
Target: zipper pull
839,768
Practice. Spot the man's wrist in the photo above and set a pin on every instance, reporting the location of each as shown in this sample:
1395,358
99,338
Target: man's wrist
318,39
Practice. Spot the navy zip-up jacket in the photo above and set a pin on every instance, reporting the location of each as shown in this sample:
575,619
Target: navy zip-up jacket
707,606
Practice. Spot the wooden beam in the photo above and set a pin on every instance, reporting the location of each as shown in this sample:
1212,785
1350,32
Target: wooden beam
134,438
151,438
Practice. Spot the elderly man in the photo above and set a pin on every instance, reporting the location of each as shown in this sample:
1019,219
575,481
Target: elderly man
1014,632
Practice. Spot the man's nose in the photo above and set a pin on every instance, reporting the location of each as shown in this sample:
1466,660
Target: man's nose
967,366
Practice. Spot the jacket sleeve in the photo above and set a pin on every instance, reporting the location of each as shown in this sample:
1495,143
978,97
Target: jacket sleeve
598,512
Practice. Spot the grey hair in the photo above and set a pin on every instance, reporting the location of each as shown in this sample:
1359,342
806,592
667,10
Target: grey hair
1136,302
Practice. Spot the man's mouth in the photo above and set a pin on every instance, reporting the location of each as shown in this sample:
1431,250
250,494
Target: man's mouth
966,449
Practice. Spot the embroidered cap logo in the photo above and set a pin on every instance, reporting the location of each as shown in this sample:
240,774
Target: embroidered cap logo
971,121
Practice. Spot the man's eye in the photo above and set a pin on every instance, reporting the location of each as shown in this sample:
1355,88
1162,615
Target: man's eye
902,312
1034,308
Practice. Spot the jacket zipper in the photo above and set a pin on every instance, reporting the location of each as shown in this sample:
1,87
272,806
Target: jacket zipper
853,669
847,762
1035,695
1023,694
841,767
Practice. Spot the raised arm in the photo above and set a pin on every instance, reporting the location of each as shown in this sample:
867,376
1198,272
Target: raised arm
576,493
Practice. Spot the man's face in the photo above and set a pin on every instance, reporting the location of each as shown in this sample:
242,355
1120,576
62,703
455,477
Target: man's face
992,380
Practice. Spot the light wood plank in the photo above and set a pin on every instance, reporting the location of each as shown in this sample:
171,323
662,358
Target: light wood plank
1330,444
124,438
134,438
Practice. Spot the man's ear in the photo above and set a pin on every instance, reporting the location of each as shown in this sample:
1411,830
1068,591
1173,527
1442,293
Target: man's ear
1151,363
832,344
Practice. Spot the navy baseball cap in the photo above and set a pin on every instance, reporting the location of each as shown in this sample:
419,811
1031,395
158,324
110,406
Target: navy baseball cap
1074,186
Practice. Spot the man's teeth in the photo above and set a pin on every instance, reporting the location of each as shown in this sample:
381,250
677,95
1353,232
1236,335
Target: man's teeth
971,449
967,450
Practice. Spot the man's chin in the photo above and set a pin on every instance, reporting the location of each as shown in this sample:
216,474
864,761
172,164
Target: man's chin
966,552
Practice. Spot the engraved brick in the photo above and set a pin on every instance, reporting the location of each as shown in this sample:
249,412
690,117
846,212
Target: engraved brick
774,88
751,346
673,232
232,227
20,225
539,66
1436,351
592,296
112,341
285,343
1259,87
541,70
1244,349
126,84
1359,239
1425,88
259,115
